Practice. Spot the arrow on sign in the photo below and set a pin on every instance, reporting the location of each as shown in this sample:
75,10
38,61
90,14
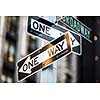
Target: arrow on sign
46,30
25,68
43,57
76,43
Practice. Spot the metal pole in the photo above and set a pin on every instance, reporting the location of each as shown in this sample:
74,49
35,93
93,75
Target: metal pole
22,40
73,67
2,39
67,67
48,75
62,70
73,60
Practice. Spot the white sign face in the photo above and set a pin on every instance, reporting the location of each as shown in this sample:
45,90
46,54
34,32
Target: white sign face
43,57
49,31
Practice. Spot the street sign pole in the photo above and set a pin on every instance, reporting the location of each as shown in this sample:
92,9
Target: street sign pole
74,66
72,63
49,75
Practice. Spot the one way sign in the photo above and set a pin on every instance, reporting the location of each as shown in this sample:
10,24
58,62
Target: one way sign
43,57
44,29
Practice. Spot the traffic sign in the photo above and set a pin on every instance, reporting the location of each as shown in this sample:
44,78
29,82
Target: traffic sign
47,30
43,57
77,26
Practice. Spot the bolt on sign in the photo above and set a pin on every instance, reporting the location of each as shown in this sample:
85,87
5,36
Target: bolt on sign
47,30
77,26
44,56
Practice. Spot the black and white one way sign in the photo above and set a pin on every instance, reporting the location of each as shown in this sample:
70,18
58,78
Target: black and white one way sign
44,29
44,56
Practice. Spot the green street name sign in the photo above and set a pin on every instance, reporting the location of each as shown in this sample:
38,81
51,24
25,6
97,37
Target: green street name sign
77,26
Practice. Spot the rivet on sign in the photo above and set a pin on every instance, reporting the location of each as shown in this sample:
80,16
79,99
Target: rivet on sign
95,38
96,58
